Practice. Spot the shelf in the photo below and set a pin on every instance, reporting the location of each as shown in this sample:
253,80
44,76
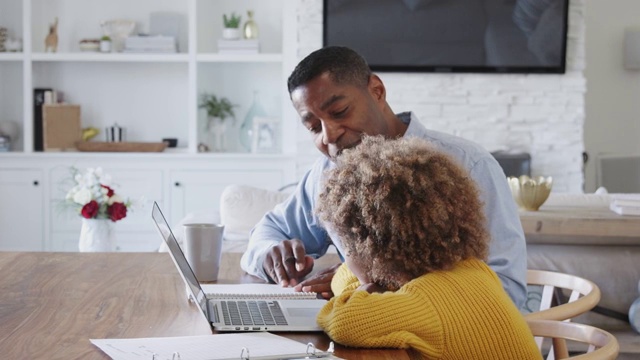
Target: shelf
216,57
169,153
152,95
150,58
110,57
11,56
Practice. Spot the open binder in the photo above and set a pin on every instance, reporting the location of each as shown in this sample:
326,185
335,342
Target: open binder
245,354
244,346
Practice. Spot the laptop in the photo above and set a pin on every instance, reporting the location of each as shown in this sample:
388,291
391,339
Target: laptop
262,314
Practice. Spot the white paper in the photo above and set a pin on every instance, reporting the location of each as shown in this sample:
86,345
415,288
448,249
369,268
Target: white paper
205,347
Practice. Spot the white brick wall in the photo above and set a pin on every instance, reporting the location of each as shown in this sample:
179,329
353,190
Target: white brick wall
539,114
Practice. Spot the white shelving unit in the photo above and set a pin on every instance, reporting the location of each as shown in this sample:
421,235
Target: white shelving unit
153,96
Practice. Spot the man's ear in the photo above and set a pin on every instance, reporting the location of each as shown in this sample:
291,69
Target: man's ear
377,89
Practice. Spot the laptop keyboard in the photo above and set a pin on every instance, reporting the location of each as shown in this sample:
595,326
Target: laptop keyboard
251,312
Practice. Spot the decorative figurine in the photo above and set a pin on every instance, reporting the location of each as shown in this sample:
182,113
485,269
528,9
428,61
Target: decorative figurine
51,41
250,27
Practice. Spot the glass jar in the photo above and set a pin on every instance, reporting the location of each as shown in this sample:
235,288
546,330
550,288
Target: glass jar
246,129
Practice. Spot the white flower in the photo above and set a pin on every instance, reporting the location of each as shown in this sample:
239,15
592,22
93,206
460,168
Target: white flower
82,196
89,187
105,180
114,199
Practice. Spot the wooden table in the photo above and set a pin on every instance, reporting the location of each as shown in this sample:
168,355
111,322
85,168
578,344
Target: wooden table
51,304
580,226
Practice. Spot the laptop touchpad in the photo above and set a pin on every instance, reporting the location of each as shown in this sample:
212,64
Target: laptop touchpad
302,312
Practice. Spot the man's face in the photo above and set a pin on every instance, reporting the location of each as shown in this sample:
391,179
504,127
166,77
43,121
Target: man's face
337,116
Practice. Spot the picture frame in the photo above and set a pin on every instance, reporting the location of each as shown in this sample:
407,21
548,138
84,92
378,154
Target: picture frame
266,135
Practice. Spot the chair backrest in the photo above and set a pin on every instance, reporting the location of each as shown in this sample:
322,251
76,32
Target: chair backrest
619,173
584,296
597,344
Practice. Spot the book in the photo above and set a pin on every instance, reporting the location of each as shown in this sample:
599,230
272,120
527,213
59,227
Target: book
243,46
162,44
242,43
38,101
238,51
624,210
627,203
632,197
254,292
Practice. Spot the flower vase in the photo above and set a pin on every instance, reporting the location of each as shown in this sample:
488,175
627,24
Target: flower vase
217,129
97,235
250,27
246,129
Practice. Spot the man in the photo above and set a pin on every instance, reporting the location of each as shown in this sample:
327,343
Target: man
339,100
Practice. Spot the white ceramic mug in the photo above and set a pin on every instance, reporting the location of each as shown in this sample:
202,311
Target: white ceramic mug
203,249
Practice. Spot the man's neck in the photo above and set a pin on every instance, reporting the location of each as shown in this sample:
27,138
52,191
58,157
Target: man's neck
402,123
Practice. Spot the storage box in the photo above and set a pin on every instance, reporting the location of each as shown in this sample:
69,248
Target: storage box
61,126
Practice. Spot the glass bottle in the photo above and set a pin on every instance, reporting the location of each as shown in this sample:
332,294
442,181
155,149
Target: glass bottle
246,129
250,27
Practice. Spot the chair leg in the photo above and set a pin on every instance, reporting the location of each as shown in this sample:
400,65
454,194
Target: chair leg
560,348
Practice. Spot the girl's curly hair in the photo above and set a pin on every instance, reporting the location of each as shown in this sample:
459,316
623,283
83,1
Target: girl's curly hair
402,209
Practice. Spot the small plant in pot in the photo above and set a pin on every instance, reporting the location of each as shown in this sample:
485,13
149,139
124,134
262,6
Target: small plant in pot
105,44
231,26
218,110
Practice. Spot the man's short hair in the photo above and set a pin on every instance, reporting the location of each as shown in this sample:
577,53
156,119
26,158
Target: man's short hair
344,65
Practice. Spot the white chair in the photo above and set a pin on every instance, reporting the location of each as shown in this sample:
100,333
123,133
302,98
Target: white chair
599,344
584,295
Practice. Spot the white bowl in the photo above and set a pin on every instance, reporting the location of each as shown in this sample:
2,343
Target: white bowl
118,30
530,193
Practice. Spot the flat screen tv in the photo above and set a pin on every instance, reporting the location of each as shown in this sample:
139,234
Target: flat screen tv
488,36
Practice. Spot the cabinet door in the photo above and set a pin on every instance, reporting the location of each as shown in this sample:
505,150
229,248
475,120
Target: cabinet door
200,191
21,210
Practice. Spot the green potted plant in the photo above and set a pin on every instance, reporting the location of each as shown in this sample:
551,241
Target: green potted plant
231,29
218,110
105,44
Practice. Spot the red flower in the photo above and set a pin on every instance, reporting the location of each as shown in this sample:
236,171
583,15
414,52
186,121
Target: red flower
109,190
90,210
117,211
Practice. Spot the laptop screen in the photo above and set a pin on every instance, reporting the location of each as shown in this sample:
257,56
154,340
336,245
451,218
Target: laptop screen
179,259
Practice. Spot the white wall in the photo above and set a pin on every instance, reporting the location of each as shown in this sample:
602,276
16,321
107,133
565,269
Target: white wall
612,123
539,114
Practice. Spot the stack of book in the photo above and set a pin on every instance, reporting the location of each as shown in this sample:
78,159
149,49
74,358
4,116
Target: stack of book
150,44
243,46
626,204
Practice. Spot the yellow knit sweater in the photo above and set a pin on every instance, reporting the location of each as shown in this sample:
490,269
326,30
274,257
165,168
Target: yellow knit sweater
462,313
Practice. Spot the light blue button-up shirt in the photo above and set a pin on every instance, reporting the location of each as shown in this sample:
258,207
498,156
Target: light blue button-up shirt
295,218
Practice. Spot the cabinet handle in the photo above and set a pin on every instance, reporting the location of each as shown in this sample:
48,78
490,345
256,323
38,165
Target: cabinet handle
36,183
177,183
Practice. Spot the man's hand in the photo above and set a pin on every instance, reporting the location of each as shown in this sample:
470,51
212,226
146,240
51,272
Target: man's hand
320,283
287,263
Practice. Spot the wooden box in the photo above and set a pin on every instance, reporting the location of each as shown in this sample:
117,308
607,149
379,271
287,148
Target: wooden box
61,126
